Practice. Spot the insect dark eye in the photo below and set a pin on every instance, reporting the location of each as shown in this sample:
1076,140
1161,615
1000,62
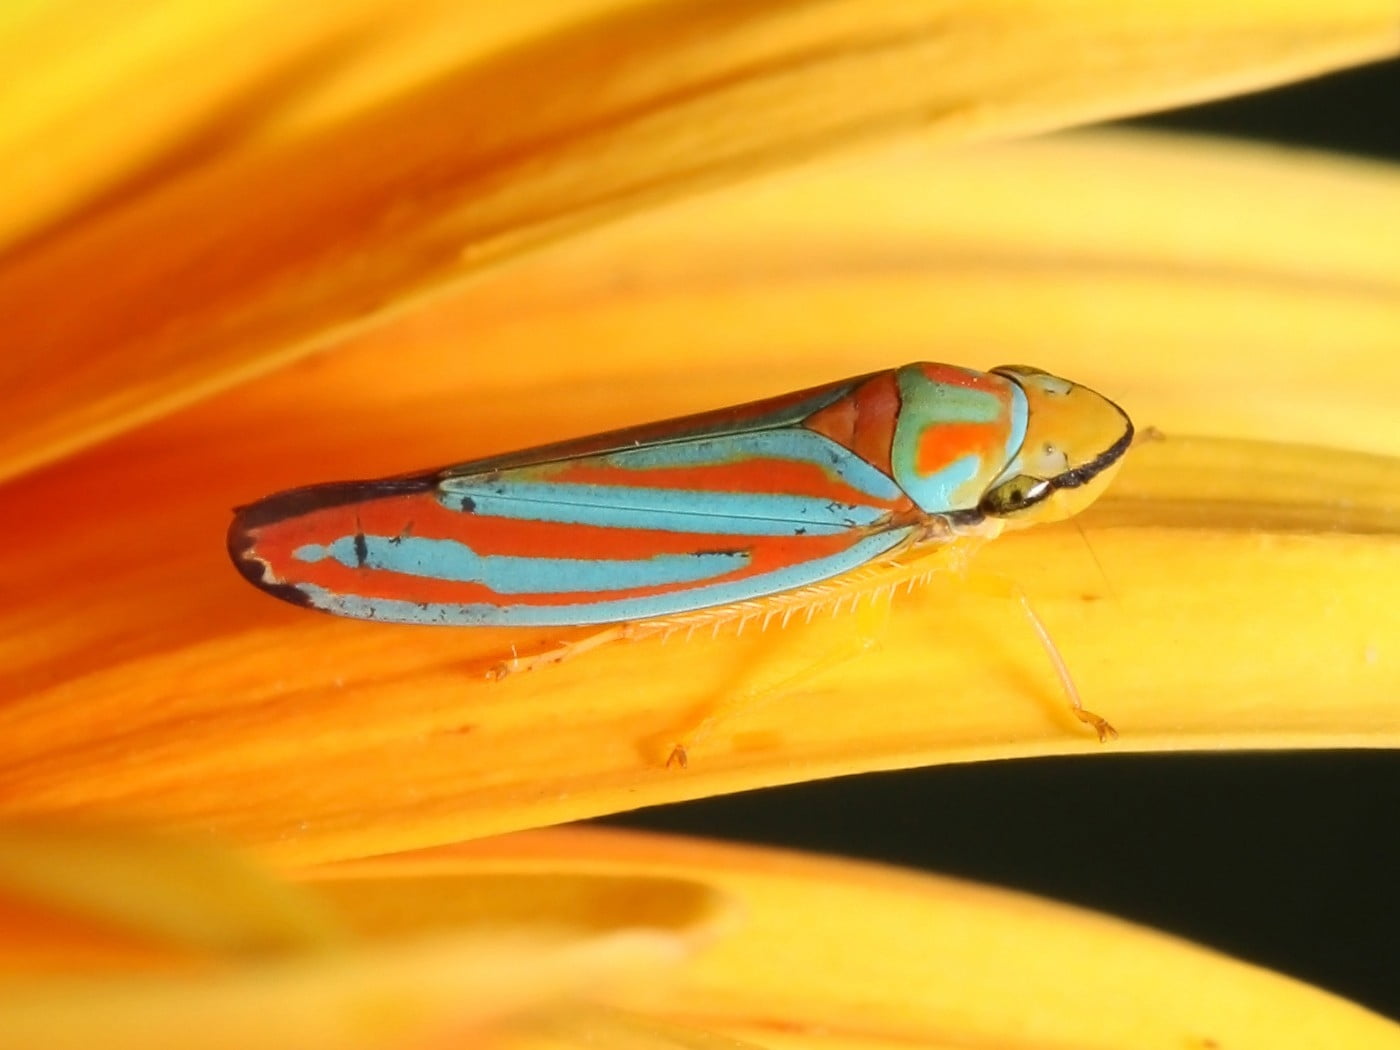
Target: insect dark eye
1020,492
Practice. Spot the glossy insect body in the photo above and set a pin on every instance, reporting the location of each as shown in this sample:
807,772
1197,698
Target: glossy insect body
693,513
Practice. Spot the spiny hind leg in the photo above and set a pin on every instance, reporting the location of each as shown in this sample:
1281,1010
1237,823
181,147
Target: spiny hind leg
1007,588
804,602
871,618
557,652
866,593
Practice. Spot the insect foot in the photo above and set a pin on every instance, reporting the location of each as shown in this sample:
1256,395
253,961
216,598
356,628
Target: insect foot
1099,725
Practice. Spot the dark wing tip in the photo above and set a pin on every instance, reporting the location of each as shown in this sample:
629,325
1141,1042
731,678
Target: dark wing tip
242,551
293,503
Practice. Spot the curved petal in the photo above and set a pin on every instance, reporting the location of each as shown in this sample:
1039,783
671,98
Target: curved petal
841,954
255,237
588,935
129,886
145,678
416,956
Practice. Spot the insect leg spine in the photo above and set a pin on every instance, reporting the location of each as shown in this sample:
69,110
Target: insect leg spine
844,593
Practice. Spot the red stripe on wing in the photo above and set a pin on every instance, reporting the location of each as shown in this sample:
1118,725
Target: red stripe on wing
420,514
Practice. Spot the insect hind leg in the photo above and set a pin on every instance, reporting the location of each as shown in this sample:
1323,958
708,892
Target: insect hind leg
867,593
557,652
870,616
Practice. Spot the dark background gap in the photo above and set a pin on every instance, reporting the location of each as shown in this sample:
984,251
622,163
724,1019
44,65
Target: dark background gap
1288,860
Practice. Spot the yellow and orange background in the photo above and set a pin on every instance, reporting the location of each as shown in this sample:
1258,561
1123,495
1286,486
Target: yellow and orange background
244,250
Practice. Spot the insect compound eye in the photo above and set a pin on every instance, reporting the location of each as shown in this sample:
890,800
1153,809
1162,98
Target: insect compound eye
1014,495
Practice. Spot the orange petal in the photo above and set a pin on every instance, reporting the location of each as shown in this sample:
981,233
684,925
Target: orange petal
131,885
216,252
145,678
416,958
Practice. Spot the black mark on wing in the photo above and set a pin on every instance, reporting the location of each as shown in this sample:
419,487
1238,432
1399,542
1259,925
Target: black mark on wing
361,546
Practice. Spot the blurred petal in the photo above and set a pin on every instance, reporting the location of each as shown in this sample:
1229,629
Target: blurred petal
66,64
147,679
420,956
562,938
159,889
846,955
291,198
313,67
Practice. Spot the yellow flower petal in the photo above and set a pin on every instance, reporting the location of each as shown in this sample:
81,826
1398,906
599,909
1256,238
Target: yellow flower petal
149,680
418,957
160,889
314,66
847,955
557,938
202,268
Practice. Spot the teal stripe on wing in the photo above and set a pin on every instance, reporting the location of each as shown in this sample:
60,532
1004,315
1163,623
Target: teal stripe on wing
663,510
526,494
507,574
619,610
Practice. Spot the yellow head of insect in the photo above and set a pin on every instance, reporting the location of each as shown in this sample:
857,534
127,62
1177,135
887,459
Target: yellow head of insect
1075,440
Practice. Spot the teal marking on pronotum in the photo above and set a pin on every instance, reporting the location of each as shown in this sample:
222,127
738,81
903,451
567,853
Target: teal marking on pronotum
925,403
607,611
504,574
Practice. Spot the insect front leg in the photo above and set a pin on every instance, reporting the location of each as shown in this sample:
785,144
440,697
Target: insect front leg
1006,588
